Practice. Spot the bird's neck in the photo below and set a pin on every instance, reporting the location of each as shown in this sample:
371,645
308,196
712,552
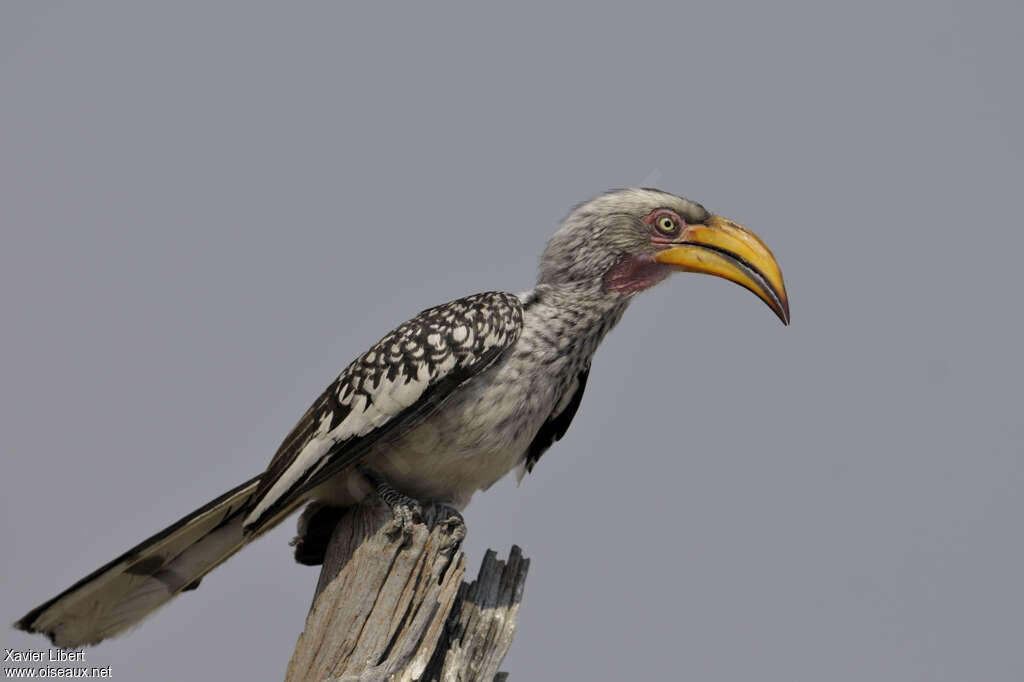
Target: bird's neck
572,317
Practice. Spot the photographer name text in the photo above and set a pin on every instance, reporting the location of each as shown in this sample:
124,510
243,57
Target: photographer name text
37,655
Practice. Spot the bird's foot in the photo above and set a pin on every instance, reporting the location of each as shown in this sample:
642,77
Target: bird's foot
451,519
407,510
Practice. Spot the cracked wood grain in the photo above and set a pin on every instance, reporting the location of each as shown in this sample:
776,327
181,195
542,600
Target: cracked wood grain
393,607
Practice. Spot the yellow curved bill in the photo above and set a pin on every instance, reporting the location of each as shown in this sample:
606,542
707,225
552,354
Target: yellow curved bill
726,249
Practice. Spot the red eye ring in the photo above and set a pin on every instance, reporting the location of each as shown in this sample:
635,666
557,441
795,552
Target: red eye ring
665,223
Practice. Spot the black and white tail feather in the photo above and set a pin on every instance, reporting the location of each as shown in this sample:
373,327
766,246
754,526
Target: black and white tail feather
397,383
121,593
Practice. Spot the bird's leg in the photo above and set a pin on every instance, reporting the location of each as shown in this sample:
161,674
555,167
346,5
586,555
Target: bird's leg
407,510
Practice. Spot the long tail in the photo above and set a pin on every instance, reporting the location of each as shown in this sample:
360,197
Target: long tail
120,594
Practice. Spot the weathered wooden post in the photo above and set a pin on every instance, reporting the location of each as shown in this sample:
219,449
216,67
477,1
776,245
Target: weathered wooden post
394,607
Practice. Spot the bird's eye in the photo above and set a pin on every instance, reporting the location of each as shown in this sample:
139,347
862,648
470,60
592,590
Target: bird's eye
667,225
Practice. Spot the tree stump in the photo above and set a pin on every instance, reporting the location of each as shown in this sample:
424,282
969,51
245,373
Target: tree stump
390,606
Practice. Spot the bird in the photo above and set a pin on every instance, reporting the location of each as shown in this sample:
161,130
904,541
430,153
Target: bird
443,406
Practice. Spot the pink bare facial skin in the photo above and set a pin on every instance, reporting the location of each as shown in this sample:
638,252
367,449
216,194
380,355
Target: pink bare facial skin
635,273
657,237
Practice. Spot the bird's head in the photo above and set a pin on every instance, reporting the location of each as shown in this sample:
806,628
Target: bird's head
628,240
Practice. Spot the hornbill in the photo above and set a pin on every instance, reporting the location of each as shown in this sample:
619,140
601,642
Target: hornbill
443,406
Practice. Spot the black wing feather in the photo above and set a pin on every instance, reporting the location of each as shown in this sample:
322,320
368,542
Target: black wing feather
556,426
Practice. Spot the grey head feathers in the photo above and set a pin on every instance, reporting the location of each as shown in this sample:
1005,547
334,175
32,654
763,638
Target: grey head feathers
598,233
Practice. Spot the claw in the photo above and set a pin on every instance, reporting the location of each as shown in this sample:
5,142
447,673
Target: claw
454,523
407,510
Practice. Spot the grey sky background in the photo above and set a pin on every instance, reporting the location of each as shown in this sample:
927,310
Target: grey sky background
209,209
